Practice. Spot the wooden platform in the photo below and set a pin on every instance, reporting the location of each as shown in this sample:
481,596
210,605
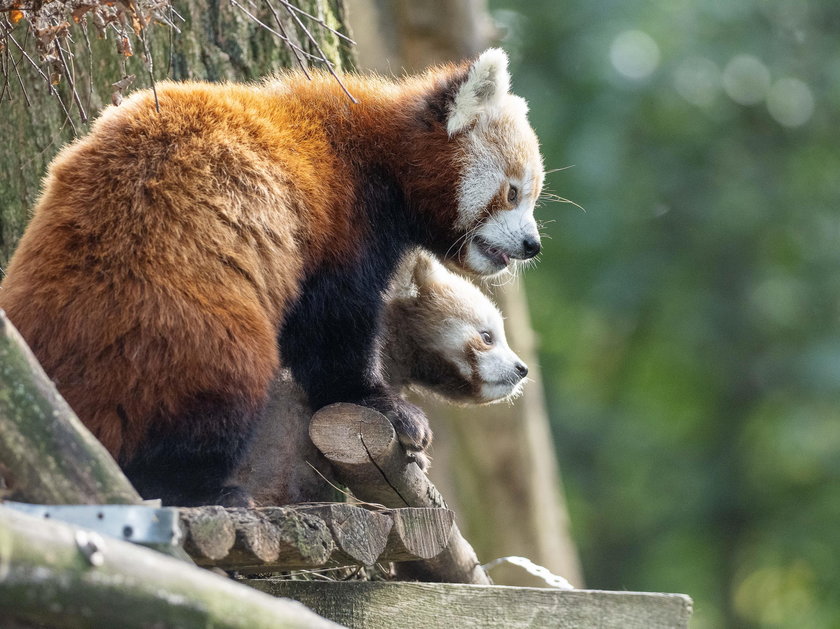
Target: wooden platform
379,605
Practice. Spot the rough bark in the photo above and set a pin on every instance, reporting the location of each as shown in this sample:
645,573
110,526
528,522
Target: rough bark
54,575
47,455
496,465
367,457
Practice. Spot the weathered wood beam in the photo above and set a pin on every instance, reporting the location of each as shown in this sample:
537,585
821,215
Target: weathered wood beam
273,539
367,457
55,575
47,456
371,605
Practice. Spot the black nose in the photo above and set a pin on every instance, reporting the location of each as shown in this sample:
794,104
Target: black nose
530,247
521,369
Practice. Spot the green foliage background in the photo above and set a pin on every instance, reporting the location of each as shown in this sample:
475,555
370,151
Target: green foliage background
689,317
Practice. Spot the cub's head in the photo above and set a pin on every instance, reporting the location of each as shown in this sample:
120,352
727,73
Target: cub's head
501,172
444,335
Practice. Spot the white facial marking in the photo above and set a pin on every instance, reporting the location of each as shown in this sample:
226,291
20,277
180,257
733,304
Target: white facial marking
497,366
493,148
459,317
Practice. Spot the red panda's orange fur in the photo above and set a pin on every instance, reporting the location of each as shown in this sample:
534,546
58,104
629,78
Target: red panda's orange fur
112,342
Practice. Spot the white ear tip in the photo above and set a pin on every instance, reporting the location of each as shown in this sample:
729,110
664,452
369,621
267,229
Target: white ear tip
493,57
487,83
492,67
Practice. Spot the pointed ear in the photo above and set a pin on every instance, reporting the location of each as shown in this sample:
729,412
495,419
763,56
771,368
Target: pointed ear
487,82
427,273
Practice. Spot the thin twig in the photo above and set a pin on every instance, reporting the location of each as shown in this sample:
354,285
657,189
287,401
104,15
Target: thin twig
147,55
5,70
283,30
319,21
22,86
273,32
318,48
71,81
29,59
90,59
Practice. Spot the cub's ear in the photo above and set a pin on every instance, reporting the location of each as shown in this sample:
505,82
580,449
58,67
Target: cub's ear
428,273
486,84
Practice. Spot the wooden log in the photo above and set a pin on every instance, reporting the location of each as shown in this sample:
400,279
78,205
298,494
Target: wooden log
208,533
371,605
56,575
273,539
360,535
47,456
418,533
364,450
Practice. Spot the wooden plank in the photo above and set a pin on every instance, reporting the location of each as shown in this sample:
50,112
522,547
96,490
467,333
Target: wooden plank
47,456
369,605
367,457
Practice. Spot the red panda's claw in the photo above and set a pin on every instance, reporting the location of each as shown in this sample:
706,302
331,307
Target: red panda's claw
410,423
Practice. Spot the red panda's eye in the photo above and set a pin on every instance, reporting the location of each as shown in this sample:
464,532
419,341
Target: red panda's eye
513,193
487,337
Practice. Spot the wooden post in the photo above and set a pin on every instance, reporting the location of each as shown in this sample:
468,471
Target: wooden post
47,456
367,457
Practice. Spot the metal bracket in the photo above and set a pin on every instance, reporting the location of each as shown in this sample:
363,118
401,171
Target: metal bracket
158,528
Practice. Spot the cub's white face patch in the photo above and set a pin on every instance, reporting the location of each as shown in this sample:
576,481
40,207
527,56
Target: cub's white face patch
494,372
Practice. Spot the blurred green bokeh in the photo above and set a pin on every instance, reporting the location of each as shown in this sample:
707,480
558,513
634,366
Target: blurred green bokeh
689,317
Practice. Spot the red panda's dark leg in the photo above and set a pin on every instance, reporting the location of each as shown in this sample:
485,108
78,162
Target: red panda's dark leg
330,336
187,460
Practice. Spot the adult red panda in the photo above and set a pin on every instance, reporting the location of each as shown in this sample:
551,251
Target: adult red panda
169,249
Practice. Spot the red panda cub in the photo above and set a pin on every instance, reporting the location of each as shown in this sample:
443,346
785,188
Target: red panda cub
440,334
169,251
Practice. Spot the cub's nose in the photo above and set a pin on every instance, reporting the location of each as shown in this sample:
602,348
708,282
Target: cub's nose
521,369
530,247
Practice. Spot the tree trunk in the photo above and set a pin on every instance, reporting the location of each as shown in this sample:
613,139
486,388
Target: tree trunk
217,42
496,465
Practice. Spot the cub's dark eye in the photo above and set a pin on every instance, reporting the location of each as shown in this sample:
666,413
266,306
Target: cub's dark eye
487,337
513,193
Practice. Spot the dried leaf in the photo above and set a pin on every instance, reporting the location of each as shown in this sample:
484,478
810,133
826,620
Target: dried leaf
15,16
119,86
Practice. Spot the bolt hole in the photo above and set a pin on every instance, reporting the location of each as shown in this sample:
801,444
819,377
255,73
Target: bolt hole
128,531
100,515
46,516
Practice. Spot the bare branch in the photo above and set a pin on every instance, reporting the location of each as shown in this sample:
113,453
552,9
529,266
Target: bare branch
319,21
319,49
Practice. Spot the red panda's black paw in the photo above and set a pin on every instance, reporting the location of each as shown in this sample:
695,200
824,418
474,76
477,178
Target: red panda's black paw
235,496
410,424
